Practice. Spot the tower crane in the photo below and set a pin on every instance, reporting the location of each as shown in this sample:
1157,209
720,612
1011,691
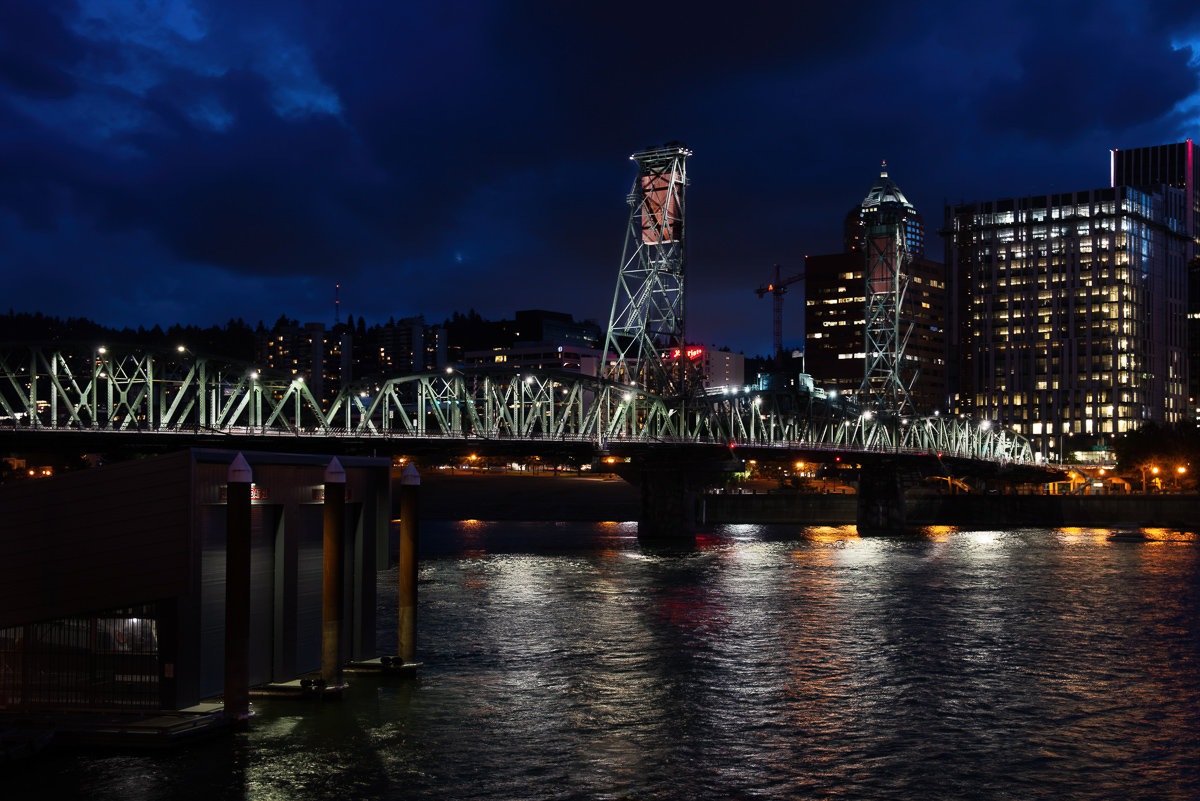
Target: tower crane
777,289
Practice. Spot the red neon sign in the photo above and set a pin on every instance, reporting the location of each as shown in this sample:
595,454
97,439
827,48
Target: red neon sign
692,353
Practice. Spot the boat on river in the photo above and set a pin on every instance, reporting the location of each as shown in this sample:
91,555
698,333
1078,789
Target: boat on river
1129,535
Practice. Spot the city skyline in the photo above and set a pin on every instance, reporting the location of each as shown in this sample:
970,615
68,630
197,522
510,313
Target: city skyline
196,162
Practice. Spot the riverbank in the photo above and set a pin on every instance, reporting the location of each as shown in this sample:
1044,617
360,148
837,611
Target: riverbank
517,496
1169,511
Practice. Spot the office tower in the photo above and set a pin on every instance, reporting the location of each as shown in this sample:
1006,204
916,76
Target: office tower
320,357
1069,313
539,325
1193,333
1176,165
410,346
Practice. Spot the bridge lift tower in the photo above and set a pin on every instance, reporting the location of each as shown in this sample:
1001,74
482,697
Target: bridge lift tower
646,327
777,290
890,318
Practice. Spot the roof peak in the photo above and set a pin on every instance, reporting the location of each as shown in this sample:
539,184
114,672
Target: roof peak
884,192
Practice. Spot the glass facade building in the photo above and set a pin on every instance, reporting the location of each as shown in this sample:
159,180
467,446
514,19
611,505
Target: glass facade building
1069,313
1176,165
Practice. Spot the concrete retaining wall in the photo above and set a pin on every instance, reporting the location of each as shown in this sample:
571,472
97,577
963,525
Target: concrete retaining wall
804,509
1174,511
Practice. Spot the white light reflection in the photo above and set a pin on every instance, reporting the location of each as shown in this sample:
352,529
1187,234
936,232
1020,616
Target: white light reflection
744,532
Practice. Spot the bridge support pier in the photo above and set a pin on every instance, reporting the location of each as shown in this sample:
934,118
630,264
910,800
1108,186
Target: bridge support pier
670,483
668,502
881,500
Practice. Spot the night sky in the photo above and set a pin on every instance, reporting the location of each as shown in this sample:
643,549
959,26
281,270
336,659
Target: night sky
190,162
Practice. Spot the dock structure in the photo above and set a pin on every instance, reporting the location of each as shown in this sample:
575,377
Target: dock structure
113,588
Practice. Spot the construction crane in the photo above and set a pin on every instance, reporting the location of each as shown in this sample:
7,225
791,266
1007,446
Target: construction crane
777,289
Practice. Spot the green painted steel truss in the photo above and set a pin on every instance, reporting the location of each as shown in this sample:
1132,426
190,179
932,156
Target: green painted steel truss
646,326
127,390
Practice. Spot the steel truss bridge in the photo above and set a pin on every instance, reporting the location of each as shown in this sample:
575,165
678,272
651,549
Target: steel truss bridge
57,390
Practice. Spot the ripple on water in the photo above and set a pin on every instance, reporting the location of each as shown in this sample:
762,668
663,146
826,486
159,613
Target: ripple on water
570,661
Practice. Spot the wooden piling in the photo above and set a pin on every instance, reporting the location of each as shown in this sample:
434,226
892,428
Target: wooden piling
332,574
410,496
237,594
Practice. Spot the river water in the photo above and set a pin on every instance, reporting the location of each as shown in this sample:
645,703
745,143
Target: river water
568,661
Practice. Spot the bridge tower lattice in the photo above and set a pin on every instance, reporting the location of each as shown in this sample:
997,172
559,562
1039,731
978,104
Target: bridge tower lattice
645,342
890,318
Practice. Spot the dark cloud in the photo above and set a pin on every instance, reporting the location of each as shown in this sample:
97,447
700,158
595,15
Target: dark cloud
218,159
1114,72
35,47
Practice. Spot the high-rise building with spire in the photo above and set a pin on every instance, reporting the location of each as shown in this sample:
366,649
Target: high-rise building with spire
885,196
835,304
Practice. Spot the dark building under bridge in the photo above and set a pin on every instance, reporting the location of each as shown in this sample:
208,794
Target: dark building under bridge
112,588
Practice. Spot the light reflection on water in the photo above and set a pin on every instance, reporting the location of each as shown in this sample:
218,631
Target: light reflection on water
570,661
